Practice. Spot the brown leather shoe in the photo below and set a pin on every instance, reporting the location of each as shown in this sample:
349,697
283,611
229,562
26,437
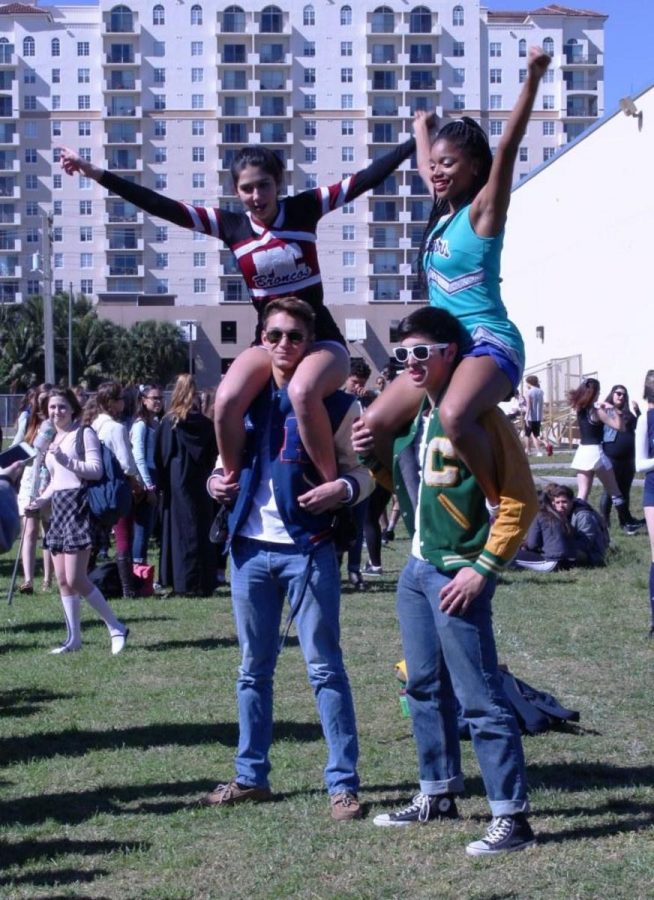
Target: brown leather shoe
233,792
345,806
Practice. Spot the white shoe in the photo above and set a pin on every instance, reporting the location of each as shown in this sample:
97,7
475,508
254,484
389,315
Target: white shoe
118,642
65,648
537,565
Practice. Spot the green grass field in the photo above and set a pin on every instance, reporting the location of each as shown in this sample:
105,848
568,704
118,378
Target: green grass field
103,760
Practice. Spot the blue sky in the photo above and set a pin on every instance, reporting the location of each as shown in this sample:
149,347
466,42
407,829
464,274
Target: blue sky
628,40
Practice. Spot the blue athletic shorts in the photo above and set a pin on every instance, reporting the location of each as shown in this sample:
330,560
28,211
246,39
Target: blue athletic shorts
501,359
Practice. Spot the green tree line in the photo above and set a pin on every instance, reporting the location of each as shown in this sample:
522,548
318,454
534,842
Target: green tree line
149,351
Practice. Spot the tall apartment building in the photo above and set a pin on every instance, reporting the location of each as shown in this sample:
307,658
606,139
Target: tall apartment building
164,93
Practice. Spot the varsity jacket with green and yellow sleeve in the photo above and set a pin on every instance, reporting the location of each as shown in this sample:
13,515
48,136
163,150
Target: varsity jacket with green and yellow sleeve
454,530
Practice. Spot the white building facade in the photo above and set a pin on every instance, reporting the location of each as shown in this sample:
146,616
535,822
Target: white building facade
165,93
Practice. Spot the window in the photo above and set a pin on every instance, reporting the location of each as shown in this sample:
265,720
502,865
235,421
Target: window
548,129
159,76
459,77
199,260
197,127
160,181
86,285
309,101
522,76
29,46
309,76
86,234
548,46
56,101
347,101
234,20
349,285
496,127
348,232
57,208
197,101
161,261
159,102
347,154
29,102
548,153
310,128
161,234
55,126
160,154
199,285
83,76
349,258
383,21
495,49
458,48
459,101
496,76
523,154
234,53
548,101
348,209
55,76
310,154
496,101
197,48
84,101
308,15
85,153
158,48
160,128
420,20
346,15
197,154
346,48
310,181
30,155
198,181
57,182
522,47
346,76
32,235
55,47
458,16
58,260
548,76
83,48
161,285
86,207
86,260
196,14
309,48
158,15
31,130
347,126
271,20
29,76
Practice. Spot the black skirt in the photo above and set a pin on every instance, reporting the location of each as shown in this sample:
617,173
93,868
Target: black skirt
70,528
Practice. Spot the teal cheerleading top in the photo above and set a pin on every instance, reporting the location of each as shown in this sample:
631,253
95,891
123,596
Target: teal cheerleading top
463,277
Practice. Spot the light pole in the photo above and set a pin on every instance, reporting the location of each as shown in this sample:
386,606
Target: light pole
189,326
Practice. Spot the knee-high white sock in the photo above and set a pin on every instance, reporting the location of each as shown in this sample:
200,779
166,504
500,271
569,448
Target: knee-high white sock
72,611
96,600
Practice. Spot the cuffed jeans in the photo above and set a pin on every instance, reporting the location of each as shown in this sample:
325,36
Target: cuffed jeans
452,658
262,575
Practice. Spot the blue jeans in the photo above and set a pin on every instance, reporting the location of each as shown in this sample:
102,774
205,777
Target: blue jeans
262,575
450,659
142,526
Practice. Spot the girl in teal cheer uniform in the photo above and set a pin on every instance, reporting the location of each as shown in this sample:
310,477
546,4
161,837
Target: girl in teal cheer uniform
460,261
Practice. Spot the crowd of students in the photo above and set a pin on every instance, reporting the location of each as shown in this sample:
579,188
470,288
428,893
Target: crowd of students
288,472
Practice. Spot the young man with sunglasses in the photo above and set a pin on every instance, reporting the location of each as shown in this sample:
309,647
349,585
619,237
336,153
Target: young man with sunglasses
444,595
281,542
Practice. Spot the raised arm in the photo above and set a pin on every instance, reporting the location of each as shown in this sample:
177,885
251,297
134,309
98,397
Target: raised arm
490,206
150,201
422,123
377,171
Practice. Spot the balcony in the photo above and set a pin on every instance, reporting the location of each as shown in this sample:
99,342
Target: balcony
119,270
116,242
123,135
123,217
124,163
124,112
123,57
8,55
124,24
582,58
580,108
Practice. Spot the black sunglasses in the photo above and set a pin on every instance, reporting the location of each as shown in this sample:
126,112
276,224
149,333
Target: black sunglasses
275,335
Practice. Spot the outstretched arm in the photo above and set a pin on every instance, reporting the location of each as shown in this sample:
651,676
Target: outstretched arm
377,171
150,201
490,206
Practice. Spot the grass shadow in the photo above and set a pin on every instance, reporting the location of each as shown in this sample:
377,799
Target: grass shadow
198,644
27,701
59,625
33,851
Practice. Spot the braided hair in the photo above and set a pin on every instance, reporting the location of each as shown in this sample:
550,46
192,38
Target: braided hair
469,136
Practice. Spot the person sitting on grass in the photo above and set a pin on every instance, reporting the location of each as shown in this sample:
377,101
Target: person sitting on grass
444,594
281,544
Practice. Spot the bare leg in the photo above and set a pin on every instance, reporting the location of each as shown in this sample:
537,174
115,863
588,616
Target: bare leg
28,554
607,477
584,484
246,378
318,375
393,408
476,386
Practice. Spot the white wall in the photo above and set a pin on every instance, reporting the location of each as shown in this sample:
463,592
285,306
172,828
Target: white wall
579,244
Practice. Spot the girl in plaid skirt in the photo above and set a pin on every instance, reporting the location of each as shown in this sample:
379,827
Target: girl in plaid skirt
69,537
